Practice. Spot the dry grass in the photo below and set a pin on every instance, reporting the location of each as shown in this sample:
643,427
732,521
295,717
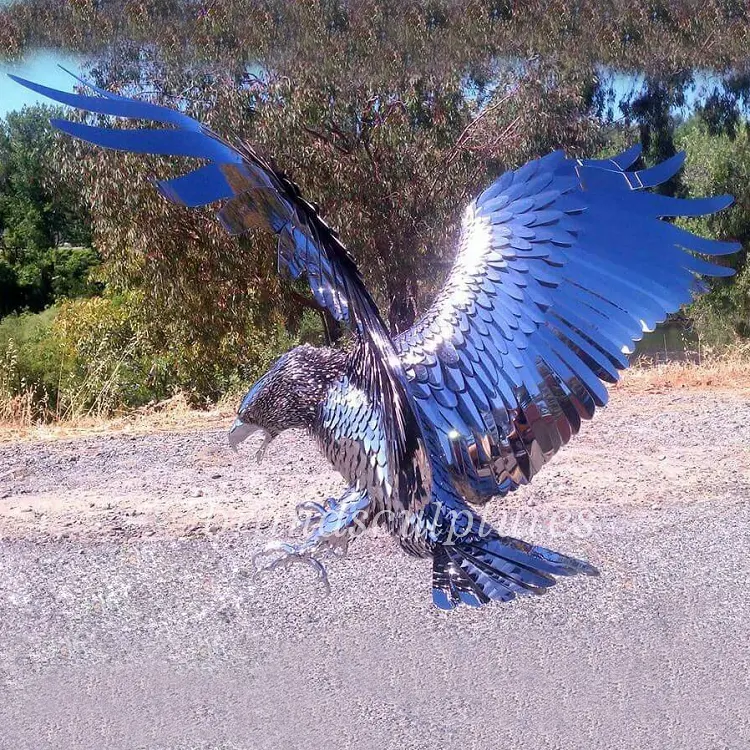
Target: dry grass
172,415
21,409
728,369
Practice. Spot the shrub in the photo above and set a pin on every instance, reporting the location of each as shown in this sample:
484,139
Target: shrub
79,358
34,279
104,357
74,271
30,366
96,356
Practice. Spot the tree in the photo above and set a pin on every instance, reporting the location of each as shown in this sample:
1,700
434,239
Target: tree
37,213
391,152
390,115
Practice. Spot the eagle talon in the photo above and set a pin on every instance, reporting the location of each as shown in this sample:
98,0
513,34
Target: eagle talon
290,554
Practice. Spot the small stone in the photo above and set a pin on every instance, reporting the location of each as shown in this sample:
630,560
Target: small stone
196,492
216,476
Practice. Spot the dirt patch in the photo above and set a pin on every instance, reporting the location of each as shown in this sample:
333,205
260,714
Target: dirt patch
150,479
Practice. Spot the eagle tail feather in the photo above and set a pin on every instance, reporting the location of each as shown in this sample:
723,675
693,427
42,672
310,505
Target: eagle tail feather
479,569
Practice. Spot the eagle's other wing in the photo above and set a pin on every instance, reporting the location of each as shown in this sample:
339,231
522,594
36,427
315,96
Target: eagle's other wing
254,195
562,265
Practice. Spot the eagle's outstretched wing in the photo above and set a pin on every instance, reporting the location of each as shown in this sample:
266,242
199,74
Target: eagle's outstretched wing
562,265
254,195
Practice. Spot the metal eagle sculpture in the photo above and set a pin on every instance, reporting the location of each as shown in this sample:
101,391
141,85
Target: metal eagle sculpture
561,266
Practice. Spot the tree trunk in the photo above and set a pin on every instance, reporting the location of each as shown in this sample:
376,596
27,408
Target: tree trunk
402,310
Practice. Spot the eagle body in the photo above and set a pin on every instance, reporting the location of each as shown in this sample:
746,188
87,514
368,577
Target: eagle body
315,388
561,265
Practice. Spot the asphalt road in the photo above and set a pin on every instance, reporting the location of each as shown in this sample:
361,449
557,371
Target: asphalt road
166,642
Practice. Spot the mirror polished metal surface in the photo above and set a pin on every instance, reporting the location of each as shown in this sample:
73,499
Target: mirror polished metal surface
561,267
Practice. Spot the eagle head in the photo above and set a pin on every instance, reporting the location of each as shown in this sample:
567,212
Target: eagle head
287,395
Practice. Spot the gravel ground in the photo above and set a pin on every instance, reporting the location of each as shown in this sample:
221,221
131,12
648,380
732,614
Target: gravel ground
129,616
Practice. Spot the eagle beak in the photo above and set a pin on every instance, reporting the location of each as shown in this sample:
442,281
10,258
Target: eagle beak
240,431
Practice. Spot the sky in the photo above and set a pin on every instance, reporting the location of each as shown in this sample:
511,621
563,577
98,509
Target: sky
40,67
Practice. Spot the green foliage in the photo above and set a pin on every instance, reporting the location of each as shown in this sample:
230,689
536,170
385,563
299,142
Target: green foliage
720,163
38,278
99,355
38,354
73,272
39,212
10,294
105,354
36,210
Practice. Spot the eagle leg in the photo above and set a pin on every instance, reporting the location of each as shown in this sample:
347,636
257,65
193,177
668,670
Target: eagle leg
333,525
